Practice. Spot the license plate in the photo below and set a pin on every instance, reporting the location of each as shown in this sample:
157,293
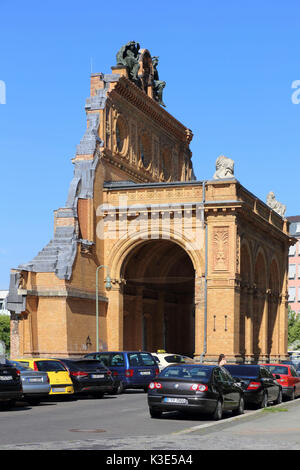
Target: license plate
6,377
145,372
97,376
36,379
58,390
181,401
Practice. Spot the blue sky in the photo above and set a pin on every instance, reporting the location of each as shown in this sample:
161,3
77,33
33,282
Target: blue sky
229,67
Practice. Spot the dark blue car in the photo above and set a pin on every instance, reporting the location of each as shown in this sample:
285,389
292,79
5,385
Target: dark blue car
134,369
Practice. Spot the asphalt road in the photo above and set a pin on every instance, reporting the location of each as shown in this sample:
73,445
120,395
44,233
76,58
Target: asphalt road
123,422
112,417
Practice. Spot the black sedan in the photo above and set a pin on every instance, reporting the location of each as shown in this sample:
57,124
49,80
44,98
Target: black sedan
259,385
90,377
195,388
10,385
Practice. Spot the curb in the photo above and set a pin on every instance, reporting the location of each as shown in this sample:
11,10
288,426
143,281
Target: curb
210,427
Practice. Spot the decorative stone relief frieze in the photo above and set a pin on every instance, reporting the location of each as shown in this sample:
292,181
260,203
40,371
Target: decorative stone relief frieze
221,248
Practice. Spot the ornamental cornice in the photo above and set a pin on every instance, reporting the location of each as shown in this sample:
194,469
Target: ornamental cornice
138,175
153,110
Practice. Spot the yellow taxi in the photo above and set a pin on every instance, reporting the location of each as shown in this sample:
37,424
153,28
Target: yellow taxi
59,377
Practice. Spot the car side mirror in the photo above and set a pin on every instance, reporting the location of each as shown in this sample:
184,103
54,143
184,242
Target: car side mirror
276,376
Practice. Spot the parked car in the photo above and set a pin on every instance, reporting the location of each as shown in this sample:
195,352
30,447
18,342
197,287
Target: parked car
10,385
259,385
164,359
289,379
294,353
60,380
294,356
195,388
36,385
296,365
90,377
134,369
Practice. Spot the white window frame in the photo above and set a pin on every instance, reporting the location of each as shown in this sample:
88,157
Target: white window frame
292,297
292,271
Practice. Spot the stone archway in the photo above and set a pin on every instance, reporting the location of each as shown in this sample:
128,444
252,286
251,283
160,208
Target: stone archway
158,298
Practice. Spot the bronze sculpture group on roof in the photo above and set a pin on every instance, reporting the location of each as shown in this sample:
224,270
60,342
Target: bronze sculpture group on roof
129,56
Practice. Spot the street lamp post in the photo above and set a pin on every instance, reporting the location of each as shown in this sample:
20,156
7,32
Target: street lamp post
108,286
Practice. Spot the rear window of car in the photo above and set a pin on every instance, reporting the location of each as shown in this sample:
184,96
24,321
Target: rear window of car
243,371
174,359
194,372
26,364
50,366
8,367
111,359
84,365
18,365
141,359
278,370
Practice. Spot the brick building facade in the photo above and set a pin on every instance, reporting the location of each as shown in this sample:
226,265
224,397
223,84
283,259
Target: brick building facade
196,267
294,266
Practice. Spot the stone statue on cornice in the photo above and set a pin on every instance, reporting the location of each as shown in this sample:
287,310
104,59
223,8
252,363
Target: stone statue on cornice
129,55
158,85
224,168
275,205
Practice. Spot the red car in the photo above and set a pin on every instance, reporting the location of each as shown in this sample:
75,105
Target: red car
289,379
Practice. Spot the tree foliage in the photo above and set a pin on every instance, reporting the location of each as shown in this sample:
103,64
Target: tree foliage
293,328
5,330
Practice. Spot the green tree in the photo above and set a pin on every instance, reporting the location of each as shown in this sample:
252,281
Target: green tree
5,330
293,327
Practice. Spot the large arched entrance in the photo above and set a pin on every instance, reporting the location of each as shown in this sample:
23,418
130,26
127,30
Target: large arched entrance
159,298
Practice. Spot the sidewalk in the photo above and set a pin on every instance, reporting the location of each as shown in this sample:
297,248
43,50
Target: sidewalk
274,428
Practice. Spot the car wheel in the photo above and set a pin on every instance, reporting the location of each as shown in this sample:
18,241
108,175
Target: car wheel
218,413
292,397
264,401
7,405
97,395
155,413
33,401
119,389
279,398
241,409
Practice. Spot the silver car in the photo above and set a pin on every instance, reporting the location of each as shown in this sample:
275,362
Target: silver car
36,384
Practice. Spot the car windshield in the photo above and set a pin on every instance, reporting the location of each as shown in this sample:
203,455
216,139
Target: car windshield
50,366
141,359
188,372
243,371
281,370
18,365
